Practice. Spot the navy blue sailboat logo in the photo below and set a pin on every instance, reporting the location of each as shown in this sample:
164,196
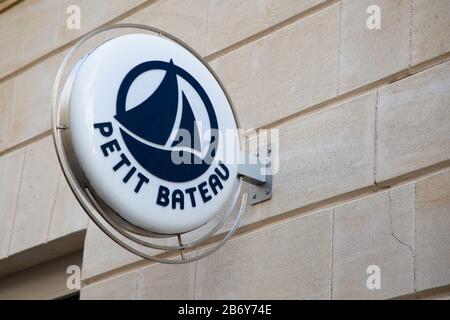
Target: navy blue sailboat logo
147,128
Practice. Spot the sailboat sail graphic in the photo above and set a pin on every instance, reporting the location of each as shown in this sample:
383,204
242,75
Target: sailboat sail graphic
152,131
188,124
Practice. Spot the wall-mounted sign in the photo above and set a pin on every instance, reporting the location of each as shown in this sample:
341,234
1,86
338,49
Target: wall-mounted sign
148,141
148,123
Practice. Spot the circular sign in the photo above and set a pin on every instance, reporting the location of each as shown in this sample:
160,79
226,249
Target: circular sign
150,126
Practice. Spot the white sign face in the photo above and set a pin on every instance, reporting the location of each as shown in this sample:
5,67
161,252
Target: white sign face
150,126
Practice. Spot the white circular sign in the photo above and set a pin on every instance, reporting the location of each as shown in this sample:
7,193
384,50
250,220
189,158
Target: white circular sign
150,124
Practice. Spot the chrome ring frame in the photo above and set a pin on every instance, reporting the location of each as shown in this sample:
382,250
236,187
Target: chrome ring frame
94,206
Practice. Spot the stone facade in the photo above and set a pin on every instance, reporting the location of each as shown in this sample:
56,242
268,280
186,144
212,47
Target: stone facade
364,123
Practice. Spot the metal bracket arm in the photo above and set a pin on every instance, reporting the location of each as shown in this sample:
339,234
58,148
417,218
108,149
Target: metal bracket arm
254,171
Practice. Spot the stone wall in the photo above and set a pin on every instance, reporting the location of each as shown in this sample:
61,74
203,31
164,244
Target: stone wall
364,122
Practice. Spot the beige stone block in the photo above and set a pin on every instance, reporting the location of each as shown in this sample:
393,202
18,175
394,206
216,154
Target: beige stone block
430,29
368,55
93,15
37,195
44,281
233,21
325,155
121,287
10,172
185,19
167,282
10,37
68,216
31,112
101,254
28,30
402,204
377,230
284,72
432,231
289,260
6,103
414,123
39,28
42,253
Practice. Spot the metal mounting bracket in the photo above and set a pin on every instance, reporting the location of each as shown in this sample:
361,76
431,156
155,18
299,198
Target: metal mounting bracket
254,171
